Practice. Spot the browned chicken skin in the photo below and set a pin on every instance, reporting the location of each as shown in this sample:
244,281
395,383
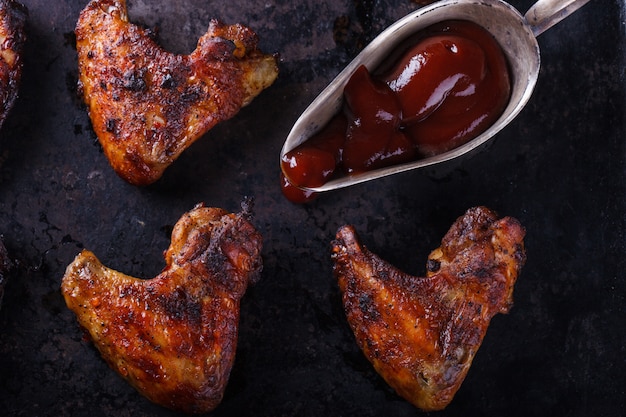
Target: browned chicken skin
148,105
421,333
173,337
12,37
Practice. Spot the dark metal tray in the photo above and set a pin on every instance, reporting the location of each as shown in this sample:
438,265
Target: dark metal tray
560,168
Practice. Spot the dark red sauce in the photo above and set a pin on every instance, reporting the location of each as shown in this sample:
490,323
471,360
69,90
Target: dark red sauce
447,86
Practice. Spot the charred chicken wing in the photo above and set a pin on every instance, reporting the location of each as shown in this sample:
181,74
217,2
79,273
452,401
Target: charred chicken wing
173,337
12,37
421,333
148,105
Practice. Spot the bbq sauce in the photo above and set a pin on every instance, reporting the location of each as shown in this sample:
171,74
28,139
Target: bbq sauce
445,87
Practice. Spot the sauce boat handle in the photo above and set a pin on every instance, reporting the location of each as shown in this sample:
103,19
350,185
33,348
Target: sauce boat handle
546,13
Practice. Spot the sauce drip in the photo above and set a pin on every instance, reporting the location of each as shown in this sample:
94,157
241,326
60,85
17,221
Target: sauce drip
444,88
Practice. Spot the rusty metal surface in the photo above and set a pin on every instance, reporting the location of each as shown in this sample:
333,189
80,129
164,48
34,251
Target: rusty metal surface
560,168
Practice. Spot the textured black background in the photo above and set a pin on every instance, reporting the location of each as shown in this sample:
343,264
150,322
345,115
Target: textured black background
560,168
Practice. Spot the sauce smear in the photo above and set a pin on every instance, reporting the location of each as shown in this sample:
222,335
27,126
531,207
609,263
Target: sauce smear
445,87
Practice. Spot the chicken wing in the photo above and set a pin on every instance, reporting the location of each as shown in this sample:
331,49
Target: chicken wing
13,17
421,333
148,105
173,337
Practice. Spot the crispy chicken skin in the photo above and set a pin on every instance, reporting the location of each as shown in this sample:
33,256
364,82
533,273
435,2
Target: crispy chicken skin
148,105
13,17
421,333
173,337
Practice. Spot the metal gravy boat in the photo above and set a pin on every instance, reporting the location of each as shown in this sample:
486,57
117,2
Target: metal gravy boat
515,33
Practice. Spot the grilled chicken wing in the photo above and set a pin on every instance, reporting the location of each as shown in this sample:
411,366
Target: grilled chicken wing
148,105
421,333
173,337
12,37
